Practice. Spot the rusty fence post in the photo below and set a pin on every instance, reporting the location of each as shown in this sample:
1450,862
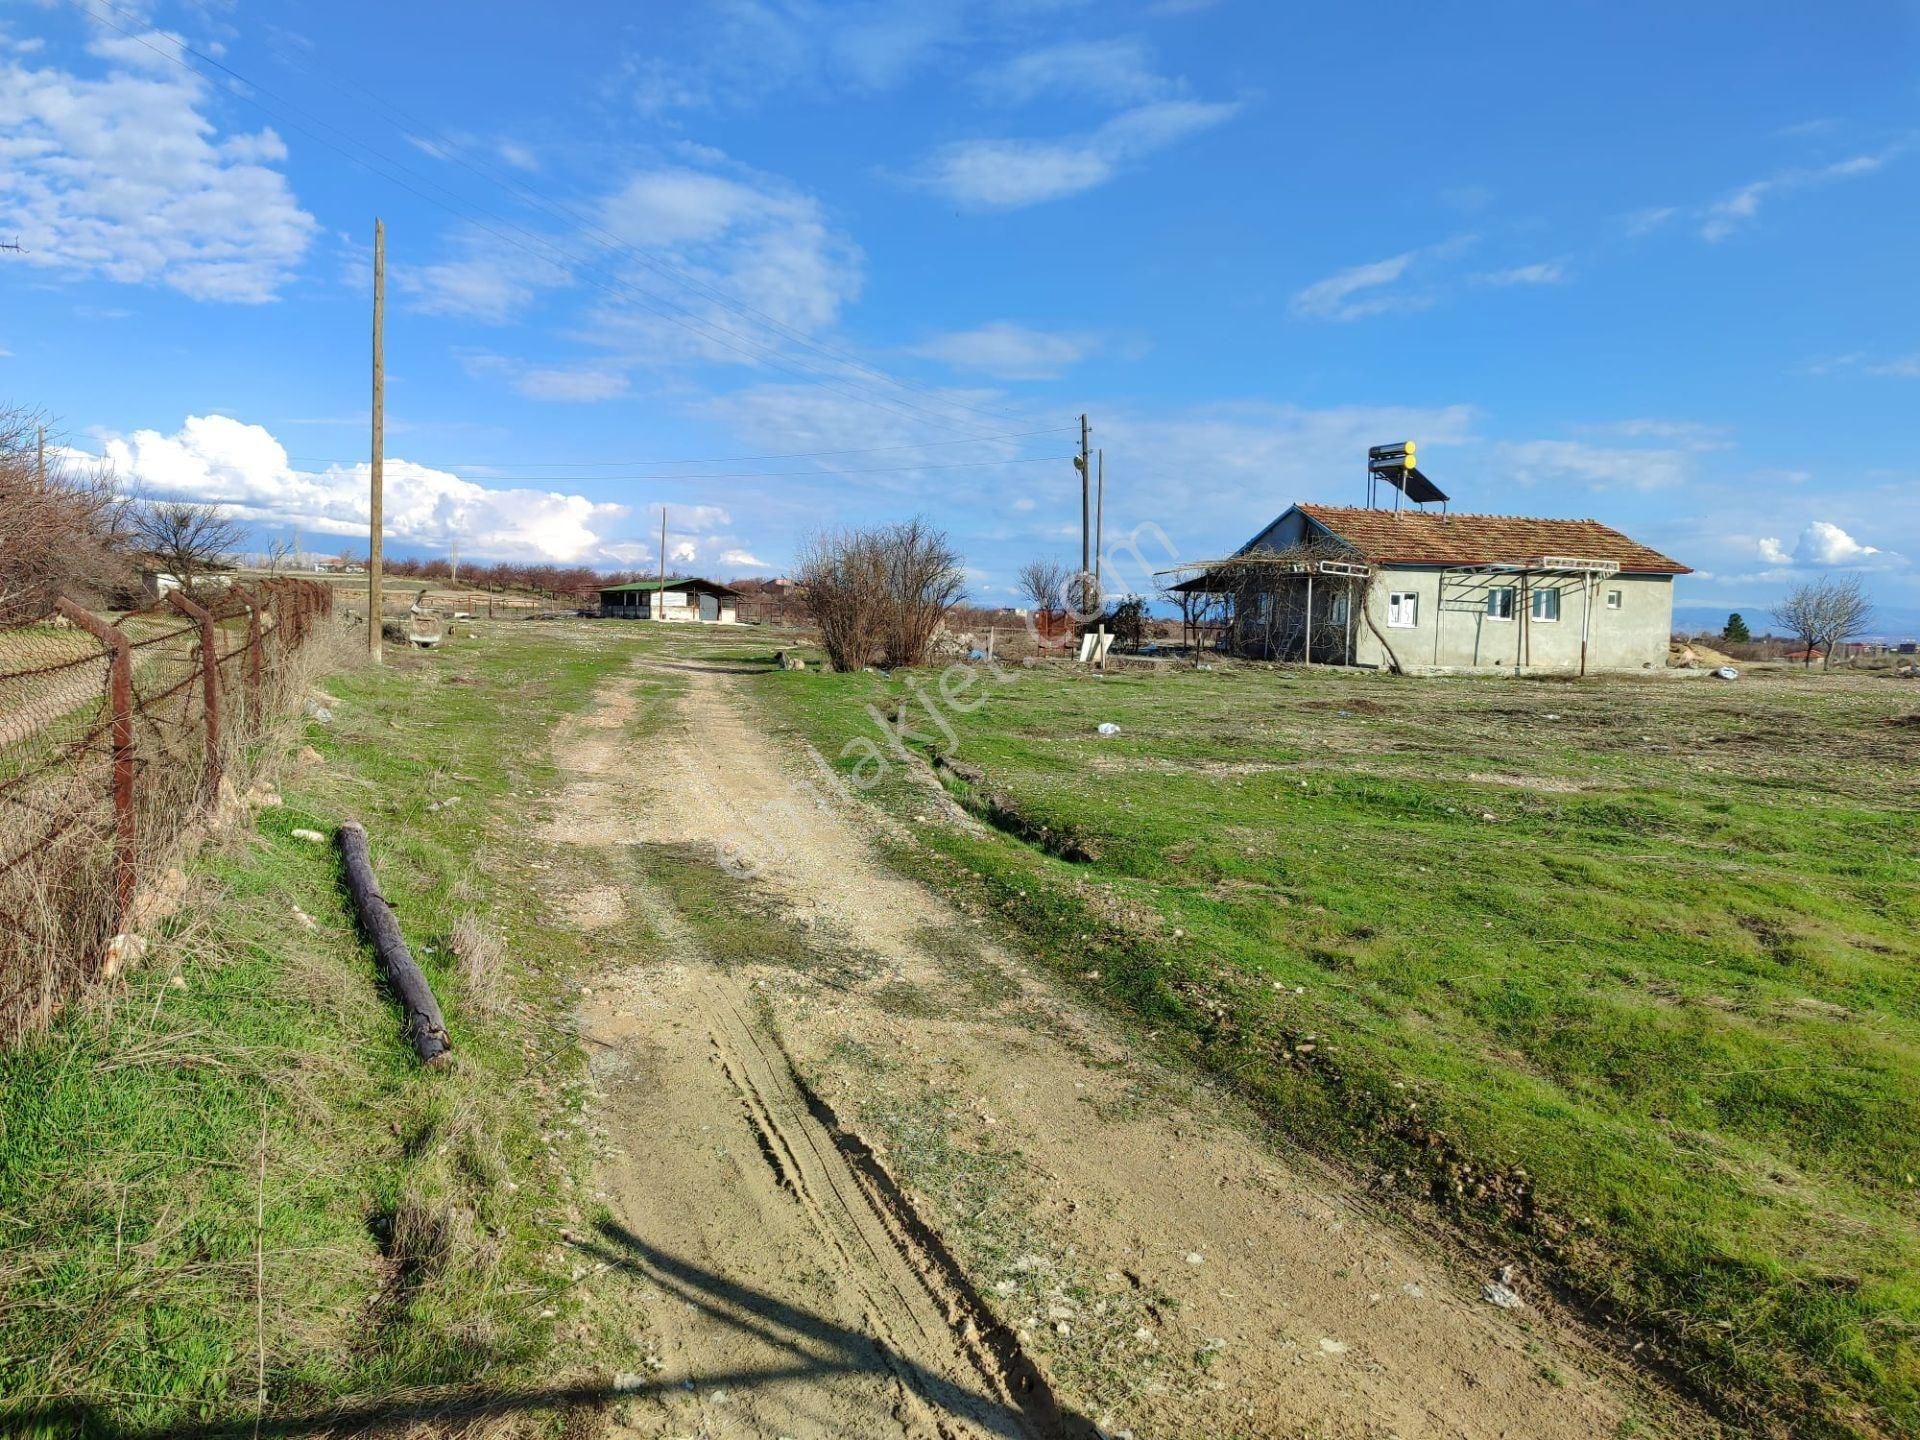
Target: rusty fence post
120,708
250,668
209,681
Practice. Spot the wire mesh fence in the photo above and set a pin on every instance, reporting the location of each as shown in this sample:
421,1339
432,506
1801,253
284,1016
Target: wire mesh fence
115,735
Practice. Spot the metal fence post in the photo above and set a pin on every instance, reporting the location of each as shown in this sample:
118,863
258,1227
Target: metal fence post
120,708
251,668
209,681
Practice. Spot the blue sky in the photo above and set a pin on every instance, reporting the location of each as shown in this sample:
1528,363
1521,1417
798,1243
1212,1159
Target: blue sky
1649,263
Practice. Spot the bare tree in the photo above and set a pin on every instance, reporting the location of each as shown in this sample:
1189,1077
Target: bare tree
184,539
277,553
61,520
925,579
1044,582
1823,613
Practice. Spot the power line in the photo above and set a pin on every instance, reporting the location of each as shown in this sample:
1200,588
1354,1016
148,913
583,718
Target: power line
463,210
741,474
707,459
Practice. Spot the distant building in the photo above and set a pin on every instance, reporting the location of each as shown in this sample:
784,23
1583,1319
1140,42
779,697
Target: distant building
1346,585
689,600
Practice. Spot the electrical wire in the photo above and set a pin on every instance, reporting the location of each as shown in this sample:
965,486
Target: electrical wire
393,460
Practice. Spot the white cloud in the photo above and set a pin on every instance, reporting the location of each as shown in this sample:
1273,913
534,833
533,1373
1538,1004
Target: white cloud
579,384
1726,216
217,459
742,559
1118,72
1821,543
520,157
1008,351
1008,174
1897,367
127,178
1360,291
1598,467
485,280
1545,272
702,238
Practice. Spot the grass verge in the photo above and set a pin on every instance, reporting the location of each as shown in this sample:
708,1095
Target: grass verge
1622,974
232,1171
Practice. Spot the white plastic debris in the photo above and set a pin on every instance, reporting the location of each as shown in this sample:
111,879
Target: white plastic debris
1726,672
1107,727
1496,1292
312,837
316,711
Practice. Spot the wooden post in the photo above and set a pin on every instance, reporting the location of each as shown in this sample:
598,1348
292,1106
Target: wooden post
120,713
255,642
209,682
660,595
376,517
425,1029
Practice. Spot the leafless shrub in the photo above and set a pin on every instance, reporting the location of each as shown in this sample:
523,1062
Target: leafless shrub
845,577
61,523
482,961
881,592
925,579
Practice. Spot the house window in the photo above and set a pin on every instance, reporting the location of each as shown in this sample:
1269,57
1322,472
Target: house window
1500,603
1546,605
1337,613
1613,599
1403,609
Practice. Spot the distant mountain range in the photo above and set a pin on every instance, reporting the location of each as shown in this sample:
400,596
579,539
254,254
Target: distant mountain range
1890,622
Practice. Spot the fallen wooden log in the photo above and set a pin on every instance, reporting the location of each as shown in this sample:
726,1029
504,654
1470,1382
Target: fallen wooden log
425,1028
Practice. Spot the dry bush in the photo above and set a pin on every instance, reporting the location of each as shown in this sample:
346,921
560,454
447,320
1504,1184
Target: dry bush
62,524
880,592
845,577
483,961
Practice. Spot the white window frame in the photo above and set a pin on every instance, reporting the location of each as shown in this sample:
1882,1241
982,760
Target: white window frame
1534,606
1494,592
1614,598
1406,605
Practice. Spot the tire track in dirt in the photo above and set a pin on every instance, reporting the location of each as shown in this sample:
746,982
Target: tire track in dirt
1171,1278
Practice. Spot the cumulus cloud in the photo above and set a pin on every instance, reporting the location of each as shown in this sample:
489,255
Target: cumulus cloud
482,280
1008,351
126,177
243,468
1008,174
1821,543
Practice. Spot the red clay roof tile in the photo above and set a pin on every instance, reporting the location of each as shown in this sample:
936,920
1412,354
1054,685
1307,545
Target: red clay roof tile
1423,537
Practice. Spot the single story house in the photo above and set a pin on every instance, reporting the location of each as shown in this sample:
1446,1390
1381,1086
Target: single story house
691,600
1433,591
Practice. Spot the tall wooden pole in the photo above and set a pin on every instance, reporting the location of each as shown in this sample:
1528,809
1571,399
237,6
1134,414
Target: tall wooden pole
1099,526
660,595
376,513
1086,566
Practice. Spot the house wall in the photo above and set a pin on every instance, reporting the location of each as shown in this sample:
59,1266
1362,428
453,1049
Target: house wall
1454,630
673,605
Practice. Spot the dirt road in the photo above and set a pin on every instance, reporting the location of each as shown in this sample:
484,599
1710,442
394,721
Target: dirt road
880,1180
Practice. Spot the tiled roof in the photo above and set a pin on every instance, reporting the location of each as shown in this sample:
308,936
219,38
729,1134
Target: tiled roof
1423,537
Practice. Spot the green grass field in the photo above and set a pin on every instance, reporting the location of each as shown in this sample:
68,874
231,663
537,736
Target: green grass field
263,1116
1624,973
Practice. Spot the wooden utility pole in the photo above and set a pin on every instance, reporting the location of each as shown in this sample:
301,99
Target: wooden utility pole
1099,526
376,517
1083,463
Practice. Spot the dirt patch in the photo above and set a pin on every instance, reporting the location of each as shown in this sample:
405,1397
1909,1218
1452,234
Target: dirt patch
979,1212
